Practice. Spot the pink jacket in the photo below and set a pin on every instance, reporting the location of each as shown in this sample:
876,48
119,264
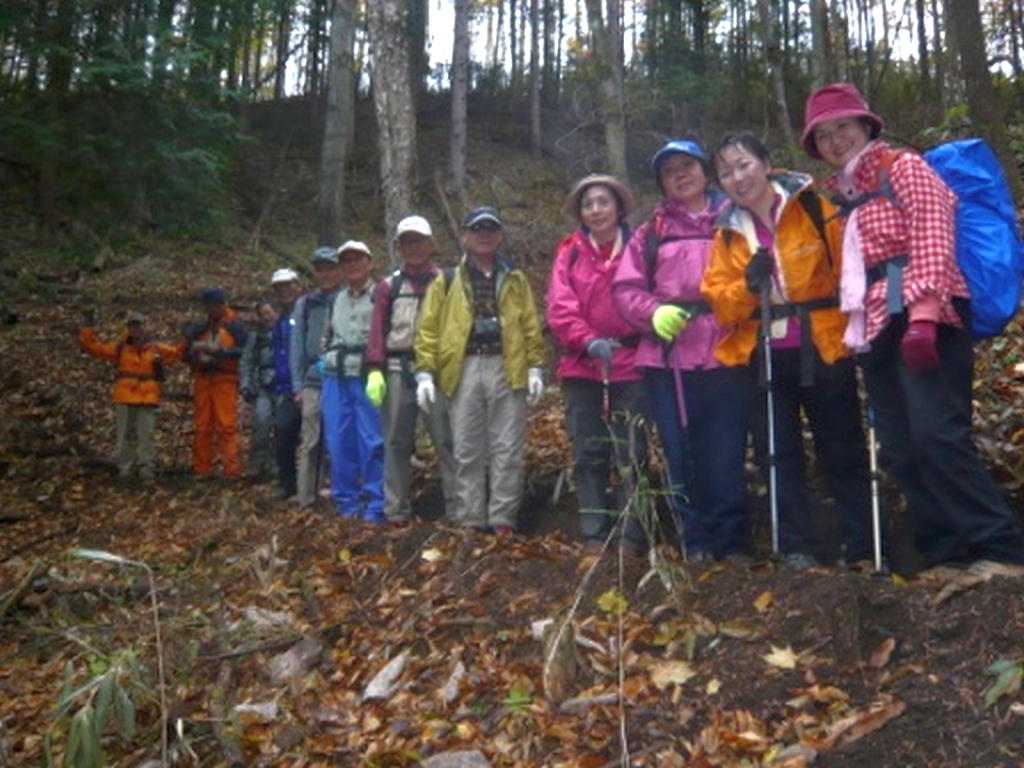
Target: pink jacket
581,309
683,254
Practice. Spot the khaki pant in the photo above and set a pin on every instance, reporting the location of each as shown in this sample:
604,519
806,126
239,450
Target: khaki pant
135,423
399,416
311,448
488,421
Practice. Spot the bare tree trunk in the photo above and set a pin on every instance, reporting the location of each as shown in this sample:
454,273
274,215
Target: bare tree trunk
773,55
396,116
819,43
987,114
339,124
535,78
460,92
284,28
606,33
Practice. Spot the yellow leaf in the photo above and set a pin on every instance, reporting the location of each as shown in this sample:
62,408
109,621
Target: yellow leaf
665,673
432,555
714,686
741,630
784,658
345,556
763,601
613,601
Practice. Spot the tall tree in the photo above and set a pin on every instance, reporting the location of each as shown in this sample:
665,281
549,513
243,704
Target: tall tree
396,115
339,125
535,77
987,114
606,35
774,59
460,93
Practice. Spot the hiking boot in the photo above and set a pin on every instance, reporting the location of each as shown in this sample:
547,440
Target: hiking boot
147,473
739,560
504,531
798,561
990,568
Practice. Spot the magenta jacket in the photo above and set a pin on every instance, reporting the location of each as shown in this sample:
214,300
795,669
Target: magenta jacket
581,309
683,254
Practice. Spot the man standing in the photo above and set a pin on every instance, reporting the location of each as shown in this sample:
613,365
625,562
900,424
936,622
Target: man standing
255,381
307,332
480,341
351,422
390,359
140,364
287,413
214,350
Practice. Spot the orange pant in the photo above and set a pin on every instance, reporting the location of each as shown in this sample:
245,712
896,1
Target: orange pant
216,401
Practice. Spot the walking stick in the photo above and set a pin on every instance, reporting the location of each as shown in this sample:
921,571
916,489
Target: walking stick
766,371
606,404
876,514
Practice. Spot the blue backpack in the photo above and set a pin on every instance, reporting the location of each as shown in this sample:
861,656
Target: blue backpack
988,246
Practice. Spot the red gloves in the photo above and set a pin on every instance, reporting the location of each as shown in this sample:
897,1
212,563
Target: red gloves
918,349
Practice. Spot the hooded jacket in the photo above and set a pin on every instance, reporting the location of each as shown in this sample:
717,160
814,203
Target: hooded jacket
581,309
810,269
684,247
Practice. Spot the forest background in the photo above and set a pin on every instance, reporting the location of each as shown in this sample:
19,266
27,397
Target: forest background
151,147
122,118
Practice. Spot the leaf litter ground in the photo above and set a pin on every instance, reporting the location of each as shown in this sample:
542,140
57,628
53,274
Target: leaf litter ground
278,624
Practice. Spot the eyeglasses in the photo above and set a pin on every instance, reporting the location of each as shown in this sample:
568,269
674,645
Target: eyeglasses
485,226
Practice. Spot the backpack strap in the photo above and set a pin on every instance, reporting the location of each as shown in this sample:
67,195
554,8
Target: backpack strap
811,201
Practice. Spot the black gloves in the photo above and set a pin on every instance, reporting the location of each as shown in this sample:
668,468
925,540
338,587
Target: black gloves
759,270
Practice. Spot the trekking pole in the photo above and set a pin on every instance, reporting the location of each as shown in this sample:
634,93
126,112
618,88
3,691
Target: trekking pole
876,513
606,403
766,372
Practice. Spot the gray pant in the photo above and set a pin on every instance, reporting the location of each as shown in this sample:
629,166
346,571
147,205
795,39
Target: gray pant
261,442
311,448
136,422
488,426
399,421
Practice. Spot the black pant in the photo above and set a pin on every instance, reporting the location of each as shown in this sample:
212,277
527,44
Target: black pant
833,411
924,426
287,426
596,444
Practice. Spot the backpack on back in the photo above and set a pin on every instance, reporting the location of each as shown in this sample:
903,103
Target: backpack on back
988,246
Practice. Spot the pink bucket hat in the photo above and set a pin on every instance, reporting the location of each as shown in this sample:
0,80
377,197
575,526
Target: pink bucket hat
835,102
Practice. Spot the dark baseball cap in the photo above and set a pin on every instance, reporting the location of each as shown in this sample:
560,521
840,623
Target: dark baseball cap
479,215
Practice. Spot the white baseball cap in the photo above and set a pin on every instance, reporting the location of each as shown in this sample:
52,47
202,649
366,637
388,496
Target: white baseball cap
284,276
415,224
355,245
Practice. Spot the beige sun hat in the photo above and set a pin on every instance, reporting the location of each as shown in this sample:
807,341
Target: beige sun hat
620,190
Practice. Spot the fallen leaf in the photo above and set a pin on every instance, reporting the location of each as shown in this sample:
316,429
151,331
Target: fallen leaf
880,656
714,686
739,629
665,673
432,555
764,600
613,601
784,658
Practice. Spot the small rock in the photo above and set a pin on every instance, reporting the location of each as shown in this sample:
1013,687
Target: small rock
463,759
296,662
385,682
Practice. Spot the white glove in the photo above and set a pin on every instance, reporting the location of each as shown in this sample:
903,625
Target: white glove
425,392
534,385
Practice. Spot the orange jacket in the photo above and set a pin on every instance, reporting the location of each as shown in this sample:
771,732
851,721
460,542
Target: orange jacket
216,348
810,271
136,383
